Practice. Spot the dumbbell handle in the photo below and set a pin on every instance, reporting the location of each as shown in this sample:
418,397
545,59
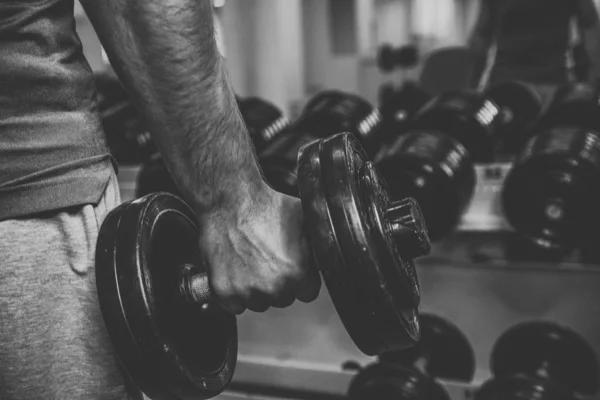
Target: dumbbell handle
405,223
195,287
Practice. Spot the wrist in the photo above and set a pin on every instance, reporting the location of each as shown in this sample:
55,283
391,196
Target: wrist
234,197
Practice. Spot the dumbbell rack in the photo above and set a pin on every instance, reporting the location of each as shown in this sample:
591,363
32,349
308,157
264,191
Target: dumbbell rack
298,352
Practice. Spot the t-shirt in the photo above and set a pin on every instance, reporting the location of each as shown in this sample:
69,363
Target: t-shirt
532,39
53,151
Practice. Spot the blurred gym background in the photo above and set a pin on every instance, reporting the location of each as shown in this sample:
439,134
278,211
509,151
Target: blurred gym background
286,51
477,280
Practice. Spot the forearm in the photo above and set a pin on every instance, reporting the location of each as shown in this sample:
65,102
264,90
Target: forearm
164,52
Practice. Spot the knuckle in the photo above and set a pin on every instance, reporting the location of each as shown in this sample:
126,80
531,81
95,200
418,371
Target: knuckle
222,288
242,290
296,272
274,286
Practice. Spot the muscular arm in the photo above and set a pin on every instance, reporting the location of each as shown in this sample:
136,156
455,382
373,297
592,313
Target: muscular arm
589,29
165,53
480,40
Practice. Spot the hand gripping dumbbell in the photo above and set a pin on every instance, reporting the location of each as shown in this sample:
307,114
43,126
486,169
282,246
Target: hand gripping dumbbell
551,195
520,108
326,114
164,320
541,361
443,352
263,120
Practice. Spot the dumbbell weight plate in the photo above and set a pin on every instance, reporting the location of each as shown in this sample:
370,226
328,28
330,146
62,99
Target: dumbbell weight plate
468,117
576,104
263,120
436,170
551,194
155,177
381,381
521,106
398,108
326,114
566,356
445,352
374,289
172,349
333,111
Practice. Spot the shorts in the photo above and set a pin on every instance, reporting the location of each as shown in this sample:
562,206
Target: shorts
53,343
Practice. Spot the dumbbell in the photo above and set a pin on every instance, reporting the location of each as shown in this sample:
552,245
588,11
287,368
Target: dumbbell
390,58
521,107
263,120
159,308
550,196
398,107
327,113
434,161
443,352
541,361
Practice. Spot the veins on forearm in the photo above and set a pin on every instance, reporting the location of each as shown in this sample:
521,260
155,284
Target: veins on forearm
165,52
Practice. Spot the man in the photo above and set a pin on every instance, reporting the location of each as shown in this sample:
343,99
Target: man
57,183
532,41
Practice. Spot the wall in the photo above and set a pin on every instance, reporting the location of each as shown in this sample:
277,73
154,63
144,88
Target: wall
265,50
392,21
325,70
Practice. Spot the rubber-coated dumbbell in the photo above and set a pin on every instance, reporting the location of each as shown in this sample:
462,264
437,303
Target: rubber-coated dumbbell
389,58
326,114
434,161
263,120
443,352
541,361
521,107
551,195
158,306
398,107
